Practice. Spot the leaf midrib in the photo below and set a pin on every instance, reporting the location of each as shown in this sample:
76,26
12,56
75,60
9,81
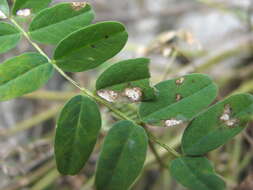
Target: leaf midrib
120,155
8,35
62,21
76,131
194,174
95,41
22,74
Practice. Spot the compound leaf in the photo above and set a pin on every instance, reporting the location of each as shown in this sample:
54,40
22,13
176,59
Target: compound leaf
23,74
217,125
179,99
9,37
90,46
130,73
76,134
53,24
196,173
122,157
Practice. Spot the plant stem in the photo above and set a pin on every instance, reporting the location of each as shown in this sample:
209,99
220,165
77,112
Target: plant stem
87,92
169,149
158,158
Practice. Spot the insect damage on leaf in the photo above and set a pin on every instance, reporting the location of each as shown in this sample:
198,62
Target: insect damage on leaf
24,12
108,95
172,122
226,117
78,5
2,15
134,94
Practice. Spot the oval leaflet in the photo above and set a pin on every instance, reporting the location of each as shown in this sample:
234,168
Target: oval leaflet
53,24
23,74
90,46
76,134
122,157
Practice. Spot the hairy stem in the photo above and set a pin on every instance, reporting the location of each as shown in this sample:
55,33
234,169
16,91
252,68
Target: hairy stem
87,92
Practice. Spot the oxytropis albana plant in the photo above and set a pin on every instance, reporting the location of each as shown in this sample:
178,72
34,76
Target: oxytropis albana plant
81,46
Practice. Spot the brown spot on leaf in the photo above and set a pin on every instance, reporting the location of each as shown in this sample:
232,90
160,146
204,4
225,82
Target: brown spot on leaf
180,81
226,117
178,97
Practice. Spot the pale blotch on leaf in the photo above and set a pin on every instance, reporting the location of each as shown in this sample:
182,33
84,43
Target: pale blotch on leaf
178,97
2,15
172,122
226,113
91,59
108,95
226,117
180,81
231,122
78,5
134,94
24,12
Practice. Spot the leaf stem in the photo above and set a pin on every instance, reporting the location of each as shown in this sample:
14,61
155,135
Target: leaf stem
169,149
157,156
89,93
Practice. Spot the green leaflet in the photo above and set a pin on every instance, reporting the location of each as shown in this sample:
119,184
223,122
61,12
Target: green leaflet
179,99
214,128
91,46
196,173
76,134
53,24
122,157
130,73
34,5
4,8
23,74
9,37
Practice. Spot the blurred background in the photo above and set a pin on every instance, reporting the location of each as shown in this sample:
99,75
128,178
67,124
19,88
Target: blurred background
180,37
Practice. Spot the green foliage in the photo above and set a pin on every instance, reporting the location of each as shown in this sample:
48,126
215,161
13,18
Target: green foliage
122,157
181,99
34,5
217,125
76,134
53,24
91,46
120,76
4,8
196,173
81,47
23,74
9,37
